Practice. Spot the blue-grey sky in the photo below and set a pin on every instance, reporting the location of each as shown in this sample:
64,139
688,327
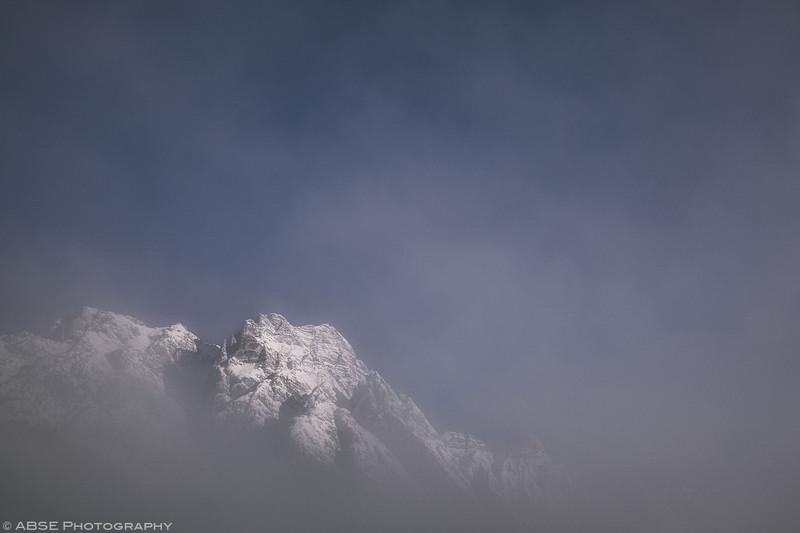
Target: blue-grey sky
577,219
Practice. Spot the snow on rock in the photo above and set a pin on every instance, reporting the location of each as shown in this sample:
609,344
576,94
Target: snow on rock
270,361
313,433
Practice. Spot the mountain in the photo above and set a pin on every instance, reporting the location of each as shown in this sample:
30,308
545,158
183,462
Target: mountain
129,392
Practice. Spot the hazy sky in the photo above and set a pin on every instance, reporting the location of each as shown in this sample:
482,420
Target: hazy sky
576,219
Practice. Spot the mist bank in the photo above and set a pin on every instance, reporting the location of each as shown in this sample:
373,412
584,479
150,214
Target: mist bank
107,419
212,482
219,484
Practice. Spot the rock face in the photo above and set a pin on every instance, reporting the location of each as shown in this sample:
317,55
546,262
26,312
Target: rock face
302,386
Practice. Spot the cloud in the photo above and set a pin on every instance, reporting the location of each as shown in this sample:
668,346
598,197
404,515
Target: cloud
573,220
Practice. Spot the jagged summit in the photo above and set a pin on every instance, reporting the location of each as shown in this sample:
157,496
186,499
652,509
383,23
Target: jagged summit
300,385
277,321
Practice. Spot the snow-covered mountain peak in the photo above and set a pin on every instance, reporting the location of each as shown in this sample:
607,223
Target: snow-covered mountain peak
97,371
303,385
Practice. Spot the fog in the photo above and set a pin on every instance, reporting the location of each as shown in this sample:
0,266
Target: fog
218,483
561,218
